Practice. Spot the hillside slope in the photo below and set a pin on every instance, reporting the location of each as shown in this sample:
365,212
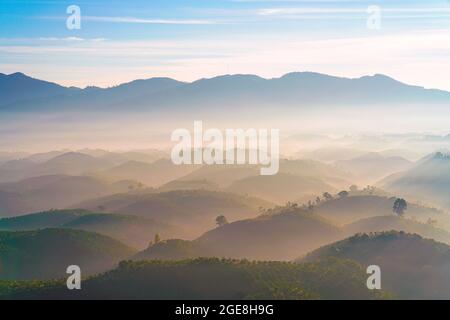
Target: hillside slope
411,267
192,279
134,231
281,236
46,254
193,210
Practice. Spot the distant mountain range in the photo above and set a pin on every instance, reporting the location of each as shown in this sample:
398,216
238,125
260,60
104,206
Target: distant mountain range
22,93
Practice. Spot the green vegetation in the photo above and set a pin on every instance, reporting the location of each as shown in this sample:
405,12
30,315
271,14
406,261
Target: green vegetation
411,267
131,230
46,254
193,279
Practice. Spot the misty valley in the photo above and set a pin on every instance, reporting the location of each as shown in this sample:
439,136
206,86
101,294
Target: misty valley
94,191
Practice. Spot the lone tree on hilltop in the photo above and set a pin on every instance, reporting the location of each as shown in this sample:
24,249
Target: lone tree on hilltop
221,220
400,206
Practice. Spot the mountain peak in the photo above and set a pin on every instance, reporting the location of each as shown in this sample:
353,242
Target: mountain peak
18,75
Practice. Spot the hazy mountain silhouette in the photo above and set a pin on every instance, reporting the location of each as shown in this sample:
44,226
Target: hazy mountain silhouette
19,88
293,90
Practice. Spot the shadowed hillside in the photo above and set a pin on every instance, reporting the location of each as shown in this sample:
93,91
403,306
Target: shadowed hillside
192,279
388,223
411,267
47,253
134,231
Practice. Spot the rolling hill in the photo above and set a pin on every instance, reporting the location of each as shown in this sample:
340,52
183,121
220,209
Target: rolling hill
280,188
411,267
152,174
55,191
428,181
388,223
70,163
280,236
134,231
373,166
46,254
355,207
193,210
192,279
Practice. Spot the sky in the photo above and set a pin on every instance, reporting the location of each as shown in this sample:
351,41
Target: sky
119,41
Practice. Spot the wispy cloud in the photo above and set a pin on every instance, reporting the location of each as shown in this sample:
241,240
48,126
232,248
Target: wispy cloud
305,10
416,57
134,20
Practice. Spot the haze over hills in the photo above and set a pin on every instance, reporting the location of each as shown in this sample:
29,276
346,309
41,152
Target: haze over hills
388,223
152,174
194,211
136,232
343,210
70,163
428,181
55,191
279,236
373,166
296,180
293,89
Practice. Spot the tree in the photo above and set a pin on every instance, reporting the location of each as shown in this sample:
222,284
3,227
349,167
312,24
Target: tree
353,188
221,220
327,196
343,194
157,239
400,206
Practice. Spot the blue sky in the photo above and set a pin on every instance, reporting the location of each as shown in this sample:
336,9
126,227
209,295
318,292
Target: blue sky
124,40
